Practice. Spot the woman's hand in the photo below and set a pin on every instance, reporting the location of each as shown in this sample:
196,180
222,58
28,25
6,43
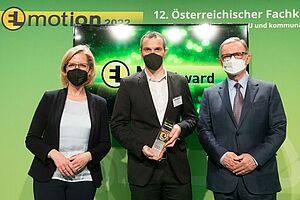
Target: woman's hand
63,164
79,161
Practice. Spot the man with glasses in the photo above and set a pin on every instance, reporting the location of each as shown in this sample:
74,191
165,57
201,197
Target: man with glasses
241,126
145,102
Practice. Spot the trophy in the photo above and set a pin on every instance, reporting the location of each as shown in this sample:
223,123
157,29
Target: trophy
162,137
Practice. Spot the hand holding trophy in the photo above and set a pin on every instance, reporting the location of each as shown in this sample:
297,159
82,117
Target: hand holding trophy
162,138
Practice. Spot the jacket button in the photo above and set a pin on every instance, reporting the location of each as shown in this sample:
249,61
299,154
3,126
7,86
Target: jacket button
237,134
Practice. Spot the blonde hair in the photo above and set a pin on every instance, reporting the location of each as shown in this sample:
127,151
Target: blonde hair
69,55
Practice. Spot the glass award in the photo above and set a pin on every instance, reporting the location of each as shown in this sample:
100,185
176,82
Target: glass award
162,137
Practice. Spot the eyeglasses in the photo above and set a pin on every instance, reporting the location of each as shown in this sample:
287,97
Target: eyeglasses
82,66
237,55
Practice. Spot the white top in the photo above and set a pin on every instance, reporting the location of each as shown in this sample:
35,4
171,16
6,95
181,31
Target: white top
159,93
75,126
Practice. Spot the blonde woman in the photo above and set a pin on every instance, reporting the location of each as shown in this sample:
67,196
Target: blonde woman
69,134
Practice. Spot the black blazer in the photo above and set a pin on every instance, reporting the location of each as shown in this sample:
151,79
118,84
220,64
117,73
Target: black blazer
135,124
43,134
261,131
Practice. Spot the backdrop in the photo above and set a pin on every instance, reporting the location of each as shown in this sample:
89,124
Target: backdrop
35,34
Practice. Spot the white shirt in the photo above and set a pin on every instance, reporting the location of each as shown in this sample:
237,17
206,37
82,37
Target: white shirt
159,93
75,126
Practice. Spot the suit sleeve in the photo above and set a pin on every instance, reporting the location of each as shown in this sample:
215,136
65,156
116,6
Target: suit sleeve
103,144
276,133
205,132
34,139
189,115
120,125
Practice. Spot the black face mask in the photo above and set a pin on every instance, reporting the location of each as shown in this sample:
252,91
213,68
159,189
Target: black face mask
153,61
77,76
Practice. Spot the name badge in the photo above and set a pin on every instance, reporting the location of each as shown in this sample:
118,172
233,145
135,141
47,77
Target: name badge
177,101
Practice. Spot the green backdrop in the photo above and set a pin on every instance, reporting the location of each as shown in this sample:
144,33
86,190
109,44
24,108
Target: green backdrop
30,61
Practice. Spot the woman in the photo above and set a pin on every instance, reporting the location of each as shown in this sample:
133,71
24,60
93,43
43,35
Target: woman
69,134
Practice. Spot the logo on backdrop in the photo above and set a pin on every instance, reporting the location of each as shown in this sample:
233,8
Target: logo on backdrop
13,18
113,72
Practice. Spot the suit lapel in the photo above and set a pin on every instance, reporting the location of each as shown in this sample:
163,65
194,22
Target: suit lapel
59,102
91,104
224,94
171,90
251,91
143,84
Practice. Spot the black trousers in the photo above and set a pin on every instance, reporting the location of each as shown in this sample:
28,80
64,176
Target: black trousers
62,190
241,193
164,185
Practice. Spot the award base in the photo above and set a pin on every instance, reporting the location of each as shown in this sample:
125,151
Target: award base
158,146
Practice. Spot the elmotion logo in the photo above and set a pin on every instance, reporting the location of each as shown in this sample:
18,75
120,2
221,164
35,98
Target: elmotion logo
113,72
14,18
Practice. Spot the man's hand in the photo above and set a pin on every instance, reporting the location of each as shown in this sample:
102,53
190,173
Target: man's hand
245,166
173,135
149,153
230,161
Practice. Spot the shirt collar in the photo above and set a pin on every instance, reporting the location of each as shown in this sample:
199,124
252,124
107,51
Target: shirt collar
243,82
150,79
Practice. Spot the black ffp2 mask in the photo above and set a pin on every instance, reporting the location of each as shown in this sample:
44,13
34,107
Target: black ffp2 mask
153,61
77,76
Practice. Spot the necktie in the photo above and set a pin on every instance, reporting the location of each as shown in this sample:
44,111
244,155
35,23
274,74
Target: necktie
238,103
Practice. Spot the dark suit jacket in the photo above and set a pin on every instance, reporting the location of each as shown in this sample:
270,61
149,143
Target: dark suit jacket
135,124
43,134
261,131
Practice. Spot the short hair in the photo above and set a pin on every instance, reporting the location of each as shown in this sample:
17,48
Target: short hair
153,34
231,40
69,55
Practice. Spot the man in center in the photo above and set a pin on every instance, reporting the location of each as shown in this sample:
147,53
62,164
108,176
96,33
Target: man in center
144,102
